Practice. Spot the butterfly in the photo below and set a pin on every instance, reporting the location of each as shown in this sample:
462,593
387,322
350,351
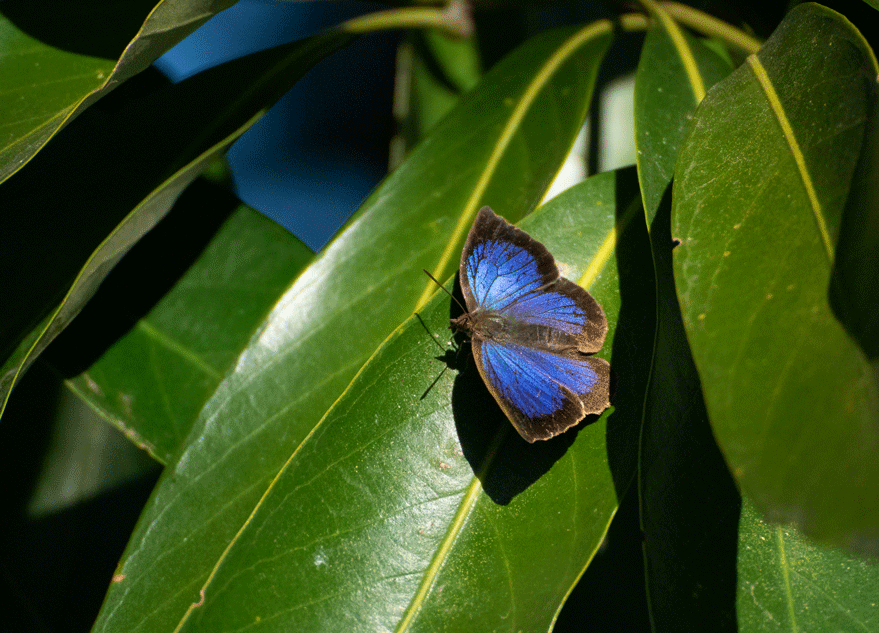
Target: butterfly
531,330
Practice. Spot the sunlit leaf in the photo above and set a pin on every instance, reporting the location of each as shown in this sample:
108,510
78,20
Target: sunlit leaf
345,304
759,196
786,582
673,74
403,512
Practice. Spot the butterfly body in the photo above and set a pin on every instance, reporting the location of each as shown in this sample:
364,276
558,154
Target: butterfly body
531,330
491,325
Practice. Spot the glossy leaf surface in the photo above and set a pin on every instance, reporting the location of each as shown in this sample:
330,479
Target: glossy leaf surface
758,201
674,72
402,512
512,126
787,582
688,503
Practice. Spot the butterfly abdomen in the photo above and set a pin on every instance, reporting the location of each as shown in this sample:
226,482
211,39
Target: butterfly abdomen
542,337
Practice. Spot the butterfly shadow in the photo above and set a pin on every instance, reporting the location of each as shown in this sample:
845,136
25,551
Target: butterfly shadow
482,425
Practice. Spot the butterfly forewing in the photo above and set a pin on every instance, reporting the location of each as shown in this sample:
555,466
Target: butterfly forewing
501,264
506,270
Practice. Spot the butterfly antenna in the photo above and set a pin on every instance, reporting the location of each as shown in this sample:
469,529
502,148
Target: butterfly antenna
444,289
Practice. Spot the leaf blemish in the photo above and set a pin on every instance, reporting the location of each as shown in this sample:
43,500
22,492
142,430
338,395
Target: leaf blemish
195,605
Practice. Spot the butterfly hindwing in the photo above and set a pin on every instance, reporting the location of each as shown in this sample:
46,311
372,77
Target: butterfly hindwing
543,394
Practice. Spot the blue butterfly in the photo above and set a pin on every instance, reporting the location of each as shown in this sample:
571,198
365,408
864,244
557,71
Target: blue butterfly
531,330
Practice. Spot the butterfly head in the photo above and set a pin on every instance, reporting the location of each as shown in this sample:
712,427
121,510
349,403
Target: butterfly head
463,323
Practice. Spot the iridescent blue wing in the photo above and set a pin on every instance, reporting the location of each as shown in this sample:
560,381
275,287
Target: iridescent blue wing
531,330
542,393
504,269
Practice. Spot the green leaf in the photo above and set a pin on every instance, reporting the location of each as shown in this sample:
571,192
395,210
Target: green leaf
57,62
674,72
511,129
787,582
758,201
596,598
598,603
86,220
193,334
377,519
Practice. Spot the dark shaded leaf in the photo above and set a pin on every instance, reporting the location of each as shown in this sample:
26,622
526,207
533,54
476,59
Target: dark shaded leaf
434,70
171,319
84,220
689,502
58,58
